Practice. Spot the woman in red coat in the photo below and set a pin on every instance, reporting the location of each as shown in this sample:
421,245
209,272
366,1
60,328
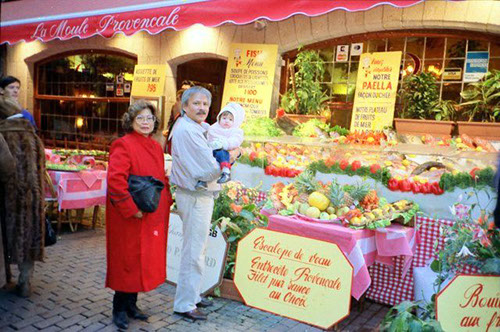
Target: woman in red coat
136,241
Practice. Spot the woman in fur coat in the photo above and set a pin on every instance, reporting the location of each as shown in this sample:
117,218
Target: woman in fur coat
23,195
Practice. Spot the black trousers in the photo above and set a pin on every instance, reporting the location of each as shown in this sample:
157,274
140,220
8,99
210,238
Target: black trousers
123,301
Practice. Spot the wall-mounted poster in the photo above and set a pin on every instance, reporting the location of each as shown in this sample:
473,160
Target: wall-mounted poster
356,49
376,89
250,77
342,53
149,80
476,66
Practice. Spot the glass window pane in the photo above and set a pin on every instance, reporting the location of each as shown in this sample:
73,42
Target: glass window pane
435,67
451,91
340,72
455,48
396,44
415,45
82,75
326,54
478,45
434,48
327,77
375,45
353,73
351,88
457,65
339,92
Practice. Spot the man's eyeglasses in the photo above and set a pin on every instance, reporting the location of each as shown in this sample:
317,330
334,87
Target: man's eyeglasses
142,118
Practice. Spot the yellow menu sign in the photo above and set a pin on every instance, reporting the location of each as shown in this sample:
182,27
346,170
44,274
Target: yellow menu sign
149,80
300,278
250,77
470,303
376,89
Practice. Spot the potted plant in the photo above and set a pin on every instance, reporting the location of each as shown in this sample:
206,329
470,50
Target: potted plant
481,108
305,99
236,213
422,111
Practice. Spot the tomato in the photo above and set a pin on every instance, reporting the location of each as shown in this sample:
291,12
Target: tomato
473,172
393,184
425,188
252,156
374,168
416,187
355,165
343,164
436,189
404,185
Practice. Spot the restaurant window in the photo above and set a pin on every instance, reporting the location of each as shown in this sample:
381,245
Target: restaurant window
80,98
444,57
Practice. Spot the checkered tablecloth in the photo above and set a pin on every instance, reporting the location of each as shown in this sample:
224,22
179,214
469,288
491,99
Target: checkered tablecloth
389,286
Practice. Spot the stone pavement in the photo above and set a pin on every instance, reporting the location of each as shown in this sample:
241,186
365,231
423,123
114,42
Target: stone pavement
68,295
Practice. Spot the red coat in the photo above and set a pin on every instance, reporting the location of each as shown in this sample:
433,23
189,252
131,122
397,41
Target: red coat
136,248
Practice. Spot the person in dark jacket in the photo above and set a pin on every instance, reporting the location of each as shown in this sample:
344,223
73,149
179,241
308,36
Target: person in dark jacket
23,196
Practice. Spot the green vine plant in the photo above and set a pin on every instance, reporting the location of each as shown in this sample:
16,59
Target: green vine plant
305,95
482,99
419,96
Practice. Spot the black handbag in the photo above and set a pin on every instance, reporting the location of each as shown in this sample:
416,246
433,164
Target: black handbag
50,234
145,191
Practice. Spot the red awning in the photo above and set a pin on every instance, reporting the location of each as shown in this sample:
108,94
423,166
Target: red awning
30,20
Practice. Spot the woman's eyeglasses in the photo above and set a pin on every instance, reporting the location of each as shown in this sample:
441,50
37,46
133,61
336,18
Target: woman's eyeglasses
142,118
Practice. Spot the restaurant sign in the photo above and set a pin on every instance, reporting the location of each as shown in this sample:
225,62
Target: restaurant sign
376,89
304,279
476,66
470,303
250,77
149,80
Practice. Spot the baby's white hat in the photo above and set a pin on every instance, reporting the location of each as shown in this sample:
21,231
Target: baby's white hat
236,110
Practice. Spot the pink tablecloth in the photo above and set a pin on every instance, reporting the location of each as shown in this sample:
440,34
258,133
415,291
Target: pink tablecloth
79,190
361,247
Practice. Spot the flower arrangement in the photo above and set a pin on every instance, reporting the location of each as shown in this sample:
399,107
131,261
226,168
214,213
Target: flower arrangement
237,213
468,241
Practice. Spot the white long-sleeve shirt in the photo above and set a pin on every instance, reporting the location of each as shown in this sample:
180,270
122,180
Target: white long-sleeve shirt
192,158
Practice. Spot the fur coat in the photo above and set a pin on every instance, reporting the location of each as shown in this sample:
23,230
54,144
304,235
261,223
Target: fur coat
23,193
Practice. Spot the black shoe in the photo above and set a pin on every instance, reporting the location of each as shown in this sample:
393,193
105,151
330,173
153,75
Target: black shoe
120,320
136,313
194,314
204,303
225,177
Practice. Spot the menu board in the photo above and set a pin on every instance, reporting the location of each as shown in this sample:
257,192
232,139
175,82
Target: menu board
149,80
376,90
250,77
300,278
470,303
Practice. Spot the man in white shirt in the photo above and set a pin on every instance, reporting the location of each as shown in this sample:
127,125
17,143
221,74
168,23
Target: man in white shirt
192,160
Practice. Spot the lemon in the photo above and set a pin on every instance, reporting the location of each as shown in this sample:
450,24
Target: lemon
370,139
258,145
479,148
458,140
313,212
319,200
406,162
388,163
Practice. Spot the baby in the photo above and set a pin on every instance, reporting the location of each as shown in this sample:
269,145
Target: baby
225,135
